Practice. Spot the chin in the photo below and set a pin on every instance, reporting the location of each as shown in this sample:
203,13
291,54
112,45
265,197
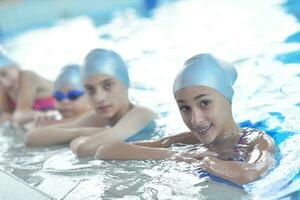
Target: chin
107,114
207,139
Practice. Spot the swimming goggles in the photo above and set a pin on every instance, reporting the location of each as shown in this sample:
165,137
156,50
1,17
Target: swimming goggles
71,95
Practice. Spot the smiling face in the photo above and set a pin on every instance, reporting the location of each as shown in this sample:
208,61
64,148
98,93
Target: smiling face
107,95
9,77
71,107
206,112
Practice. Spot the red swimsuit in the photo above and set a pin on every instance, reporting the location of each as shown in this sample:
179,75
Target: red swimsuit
41,104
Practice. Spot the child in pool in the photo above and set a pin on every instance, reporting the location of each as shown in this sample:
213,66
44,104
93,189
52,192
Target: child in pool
70,99
23,94
203,91
113,118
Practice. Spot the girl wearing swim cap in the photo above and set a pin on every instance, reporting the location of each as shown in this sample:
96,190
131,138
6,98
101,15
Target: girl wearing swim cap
203,91
70,99
23,94
113,118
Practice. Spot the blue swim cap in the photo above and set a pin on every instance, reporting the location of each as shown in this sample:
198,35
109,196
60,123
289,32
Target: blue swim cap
69,77
102,61
206,70
4,60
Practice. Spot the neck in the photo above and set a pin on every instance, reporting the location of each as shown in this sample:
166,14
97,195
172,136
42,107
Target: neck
230,135
113,120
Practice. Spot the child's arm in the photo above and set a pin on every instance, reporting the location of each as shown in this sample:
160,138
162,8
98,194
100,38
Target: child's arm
182,138
27,94
5,116
61,133
260,159
132,122
156,149
127,151
5,109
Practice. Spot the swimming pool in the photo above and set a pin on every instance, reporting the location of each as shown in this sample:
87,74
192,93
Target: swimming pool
250,33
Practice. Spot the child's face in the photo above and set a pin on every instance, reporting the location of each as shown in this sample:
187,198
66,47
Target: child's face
205,112
8,77
107,95
73,104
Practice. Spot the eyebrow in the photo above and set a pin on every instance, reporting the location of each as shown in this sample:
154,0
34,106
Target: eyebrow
86,86
100,82
106,80
195,98
200,96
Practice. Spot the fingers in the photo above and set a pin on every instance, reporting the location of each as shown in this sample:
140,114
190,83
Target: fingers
210,154
54,115
37,118
44,118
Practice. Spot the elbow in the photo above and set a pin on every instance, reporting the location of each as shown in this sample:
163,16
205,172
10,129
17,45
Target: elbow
104,152
247,177
16,118
19,118
30,140
82,150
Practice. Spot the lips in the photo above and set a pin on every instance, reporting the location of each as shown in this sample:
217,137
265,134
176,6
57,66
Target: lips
103,108
202,131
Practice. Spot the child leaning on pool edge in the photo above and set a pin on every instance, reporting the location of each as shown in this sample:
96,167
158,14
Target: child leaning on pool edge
203,91
112,118
70,98
23,94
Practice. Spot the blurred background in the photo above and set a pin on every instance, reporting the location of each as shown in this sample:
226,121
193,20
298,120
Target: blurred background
22,15
45,34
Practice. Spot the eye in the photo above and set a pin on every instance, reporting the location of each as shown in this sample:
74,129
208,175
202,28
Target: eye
3,73
90,90
205,103
184,108
107,85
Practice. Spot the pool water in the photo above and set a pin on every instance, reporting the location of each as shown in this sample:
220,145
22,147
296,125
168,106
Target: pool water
258,36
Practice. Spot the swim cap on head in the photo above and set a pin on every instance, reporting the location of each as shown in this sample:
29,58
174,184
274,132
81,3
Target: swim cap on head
206,70
4,60
69,77
102,61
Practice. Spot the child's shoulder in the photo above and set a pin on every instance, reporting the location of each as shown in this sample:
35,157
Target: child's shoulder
252,132
27,74
33,77
253,136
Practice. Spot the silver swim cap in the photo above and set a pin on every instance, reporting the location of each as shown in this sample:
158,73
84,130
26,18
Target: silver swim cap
69,77
206,70
5,61
102,61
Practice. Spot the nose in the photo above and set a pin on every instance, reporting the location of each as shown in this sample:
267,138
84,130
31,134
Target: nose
65,101
197,117
100,96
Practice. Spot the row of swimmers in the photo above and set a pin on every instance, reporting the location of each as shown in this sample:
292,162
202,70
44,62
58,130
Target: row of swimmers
99,120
